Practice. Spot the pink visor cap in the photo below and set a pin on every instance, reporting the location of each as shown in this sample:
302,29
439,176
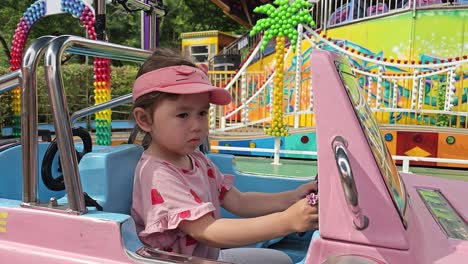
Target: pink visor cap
180,79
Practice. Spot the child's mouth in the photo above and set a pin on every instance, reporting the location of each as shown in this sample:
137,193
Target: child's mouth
194,140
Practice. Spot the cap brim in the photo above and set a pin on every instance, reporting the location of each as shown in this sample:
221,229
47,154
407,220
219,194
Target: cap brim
218,96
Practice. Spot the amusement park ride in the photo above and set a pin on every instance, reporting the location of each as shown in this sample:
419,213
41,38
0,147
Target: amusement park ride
368,211
411,71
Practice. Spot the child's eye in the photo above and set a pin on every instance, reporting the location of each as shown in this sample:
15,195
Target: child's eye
204,113
183,115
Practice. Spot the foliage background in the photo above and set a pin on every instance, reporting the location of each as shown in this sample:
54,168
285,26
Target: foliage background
122,28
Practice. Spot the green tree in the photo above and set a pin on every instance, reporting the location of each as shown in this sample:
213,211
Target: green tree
193,15
122,27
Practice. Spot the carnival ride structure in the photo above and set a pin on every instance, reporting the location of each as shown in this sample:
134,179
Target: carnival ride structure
414,82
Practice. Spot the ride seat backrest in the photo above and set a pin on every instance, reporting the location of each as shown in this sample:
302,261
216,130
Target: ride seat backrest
342,14
11,178
107,176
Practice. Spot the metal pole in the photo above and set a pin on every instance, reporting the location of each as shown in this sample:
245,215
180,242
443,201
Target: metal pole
96,108
151,22
152,30
100,24
143,31
28,82
9,81
66,147
298,76
276,157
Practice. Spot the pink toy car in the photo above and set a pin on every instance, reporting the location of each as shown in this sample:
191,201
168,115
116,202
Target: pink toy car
378,215
369,213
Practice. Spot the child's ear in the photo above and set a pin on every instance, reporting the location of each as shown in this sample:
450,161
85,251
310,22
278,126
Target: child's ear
143,119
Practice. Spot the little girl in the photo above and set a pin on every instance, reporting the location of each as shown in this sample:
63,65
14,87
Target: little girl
178,192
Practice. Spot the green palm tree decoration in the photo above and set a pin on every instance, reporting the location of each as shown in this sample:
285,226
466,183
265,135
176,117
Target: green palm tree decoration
280,23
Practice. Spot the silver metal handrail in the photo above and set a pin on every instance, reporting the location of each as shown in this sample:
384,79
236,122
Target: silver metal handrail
28,82
54,52
96,108
9,81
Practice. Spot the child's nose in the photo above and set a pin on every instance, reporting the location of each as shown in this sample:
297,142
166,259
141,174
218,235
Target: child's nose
197,124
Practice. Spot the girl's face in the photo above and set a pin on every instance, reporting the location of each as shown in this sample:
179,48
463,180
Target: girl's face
179,126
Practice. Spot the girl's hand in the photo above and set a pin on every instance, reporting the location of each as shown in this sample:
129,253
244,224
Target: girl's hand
305,189
301,216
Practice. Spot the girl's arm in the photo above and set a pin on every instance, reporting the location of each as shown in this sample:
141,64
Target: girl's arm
239,232
252,204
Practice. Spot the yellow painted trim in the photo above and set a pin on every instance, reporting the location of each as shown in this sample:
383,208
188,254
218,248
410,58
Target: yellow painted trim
2,229
199,41
3,222
3,214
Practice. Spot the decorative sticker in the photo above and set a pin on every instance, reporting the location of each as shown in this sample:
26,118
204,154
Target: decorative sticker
3,222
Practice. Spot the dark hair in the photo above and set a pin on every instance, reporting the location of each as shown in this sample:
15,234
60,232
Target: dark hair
160,58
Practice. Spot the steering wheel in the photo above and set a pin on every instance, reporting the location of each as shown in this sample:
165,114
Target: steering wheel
57,184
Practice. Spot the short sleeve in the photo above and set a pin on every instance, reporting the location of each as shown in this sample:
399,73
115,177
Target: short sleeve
168,200
224,181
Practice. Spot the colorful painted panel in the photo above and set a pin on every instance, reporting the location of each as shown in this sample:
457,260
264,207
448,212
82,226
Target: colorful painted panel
452,146
418,145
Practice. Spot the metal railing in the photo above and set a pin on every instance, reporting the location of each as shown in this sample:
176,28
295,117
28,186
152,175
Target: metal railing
9,81
96,108
53,53
29,116
331,13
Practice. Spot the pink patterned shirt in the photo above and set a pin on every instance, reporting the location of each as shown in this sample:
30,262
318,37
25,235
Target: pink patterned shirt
164,195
